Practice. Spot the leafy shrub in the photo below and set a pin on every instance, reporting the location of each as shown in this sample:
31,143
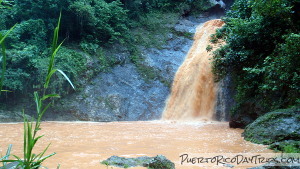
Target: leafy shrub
209,48
103,21
90,48
261,53
26,69
22,68
139,7
151,29
106,62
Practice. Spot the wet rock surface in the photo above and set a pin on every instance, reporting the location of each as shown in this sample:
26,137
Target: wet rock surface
122,93
275,126
225,99
279,129
158,162
11,116
117,96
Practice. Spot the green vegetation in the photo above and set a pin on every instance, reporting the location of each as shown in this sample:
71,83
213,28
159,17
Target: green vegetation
6,157
91,28
209,48
286,146
31,128
3,58
262,54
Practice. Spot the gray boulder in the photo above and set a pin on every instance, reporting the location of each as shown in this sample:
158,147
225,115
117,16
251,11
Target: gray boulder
158,162
274,127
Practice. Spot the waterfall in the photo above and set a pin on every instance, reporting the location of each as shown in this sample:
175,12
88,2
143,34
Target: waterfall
193,93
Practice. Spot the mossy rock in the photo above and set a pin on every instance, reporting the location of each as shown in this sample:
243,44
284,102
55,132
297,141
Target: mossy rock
287,146
274,127
158,162
161,162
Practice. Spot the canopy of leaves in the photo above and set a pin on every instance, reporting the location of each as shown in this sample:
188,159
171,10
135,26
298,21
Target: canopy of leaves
262,53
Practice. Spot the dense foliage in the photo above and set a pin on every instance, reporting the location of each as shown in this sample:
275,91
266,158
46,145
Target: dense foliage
88,27
262,54
104,20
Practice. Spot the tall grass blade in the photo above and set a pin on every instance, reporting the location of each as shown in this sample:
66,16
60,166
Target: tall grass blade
51,71
42,154
55,36
3,65
6,34
6,91
66,77
7,153
50,96
4,159
3,51
44,110
54,48
31,160
24,135
37,102
49,75
44,158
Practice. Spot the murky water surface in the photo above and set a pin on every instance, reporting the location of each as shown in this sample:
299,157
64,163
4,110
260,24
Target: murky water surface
82,145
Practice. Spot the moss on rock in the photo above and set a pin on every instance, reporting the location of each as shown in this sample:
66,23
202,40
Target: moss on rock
280,128
158,162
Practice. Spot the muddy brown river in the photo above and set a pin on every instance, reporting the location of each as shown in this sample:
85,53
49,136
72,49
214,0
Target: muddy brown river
82,145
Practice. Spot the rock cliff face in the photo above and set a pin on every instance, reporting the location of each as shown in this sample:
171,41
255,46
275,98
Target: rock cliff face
122,94
225,100
117,96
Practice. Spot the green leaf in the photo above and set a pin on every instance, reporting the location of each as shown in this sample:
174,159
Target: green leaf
66,77
3,49
18,158
55,48
8,161
7,33
41,158
49,75
6,91
44,110
50,96
37,102
44,158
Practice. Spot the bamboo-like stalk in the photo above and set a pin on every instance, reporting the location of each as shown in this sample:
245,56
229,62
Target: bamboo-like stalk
31,127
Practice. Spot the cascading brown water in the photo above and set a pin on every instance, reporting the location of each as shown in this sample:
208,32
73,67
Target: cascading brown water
193,92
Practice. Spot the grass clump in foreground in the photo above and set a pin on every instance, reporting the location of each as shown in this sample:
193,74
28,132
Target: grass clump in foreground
31,127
